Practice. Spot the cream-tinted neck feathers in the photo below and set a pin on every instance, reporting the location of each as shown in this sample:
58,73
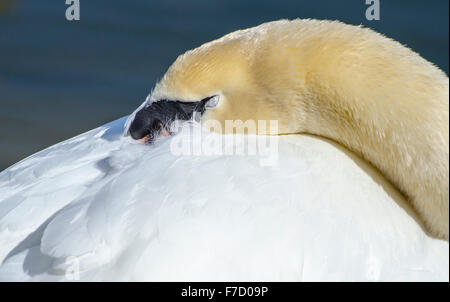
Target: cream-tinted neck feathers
347,83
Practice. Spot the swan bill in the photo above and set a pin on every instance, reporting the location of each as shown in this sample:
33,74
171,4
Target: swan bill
156,119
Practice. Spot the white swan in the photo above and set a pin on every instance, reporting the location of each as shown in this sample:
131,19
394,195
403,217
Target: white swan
118,210
102,206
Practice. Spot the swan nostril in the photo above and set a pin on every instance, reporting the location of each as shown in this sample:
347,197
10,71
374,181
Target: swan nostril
138,129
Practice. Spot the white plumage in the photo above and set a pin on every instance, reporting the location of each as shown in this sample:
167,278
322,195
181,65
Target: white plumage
103,207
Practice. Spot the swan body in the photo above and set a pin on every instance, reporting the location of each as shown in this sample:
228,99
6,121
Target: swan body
346,83
102,207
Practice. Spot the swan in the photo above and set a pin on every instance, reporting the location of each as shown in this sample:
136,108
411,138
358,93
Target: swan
346,83
104,206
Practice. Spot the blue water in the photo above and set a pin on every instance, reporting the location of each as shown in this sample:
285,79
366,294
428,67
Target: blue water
60,78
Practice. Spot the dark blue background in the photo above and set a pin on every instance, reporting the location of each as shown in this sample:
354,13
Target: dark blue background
60,78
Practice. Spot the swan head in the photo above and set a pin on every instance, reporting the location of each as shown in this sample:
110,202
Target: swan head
223,80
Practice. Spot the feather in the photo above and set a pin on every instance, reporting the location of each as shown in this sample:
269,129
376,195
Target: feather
101,206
